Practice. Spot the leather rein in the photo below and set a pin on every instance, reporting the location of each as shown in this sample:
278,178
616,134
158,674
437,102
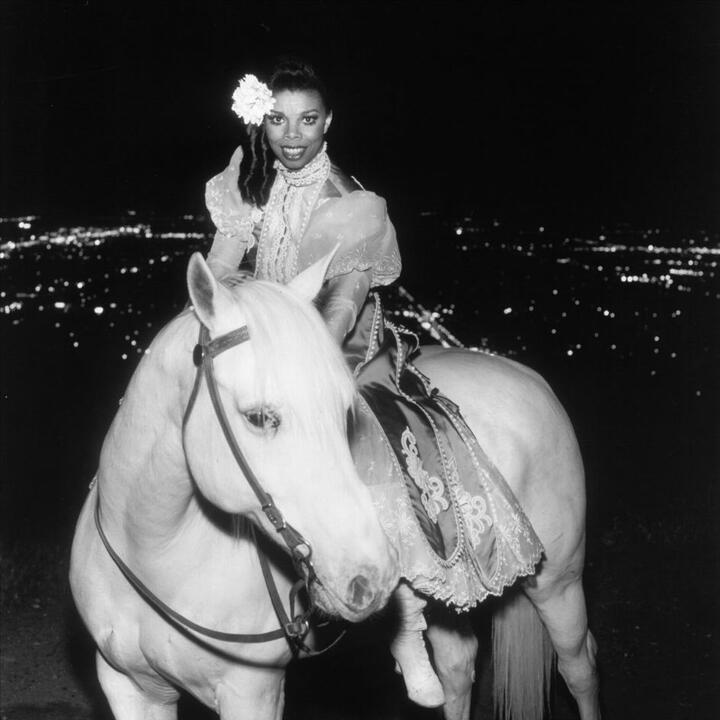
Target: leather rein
294,626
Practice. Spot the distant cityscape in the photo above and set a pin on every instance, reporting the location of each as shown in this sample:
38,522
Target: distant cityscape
621,291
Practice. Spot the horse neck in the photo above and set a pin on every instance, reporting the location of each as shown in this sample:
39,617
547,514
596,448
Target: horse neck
144,484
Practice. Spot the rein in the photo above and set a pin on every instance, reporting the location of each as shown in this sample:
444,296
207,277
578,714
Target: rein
293,627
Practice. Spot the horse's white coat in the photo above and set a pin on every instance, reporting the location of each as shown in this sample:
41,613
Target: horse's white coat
152,513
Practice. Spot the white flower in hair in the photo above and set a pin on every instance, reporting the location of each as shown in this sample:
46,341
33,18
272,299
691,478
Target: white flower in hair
252,100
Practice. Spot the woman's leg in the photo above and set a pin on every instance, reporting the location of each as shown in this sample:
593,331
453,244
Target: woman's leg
410,653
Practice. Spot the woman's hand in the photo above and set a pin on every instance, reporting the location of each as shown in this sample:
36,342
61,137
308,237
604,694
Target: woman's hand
343,298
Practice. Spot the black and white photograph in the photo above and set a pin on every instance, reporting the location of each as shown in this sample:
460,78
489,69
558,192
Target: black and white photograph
359,360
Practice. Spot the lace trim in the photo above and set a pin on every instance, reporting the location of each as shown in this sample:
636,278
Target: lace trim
316,170
385,269
293,198
229,222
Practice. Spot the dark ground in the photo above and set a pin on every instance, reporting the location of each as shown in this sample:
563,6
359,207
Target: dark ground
649,444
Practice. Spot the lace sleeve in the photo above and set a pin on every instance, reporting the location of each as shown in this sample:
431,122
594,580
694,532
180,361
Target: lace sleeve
359,222
379,254
234,236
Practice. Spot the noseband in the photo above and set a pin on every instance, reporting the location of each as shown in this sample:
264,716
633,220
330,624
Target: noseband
293,627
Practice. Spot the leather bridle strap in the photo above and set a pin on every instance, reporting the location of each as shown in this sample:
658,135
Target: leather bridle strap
164,609
203,354
293,627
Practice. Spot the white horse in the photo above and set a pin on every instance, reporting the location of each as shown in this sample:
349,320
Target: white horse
150,509
160,483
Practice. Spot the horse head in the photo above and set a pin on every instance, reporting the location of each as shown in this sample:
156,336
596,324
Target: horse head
286,393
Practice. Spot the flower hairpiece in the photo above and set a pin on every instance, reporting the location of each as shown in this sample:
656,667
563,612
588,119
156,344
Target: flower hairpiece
252,100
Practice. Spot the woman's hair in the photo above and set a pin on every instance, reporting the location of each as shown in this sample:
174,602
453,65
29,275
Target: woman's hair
256,170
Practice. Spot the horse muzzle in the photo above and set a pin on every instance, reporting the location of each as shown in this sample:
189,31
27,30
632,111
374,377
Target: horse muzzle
357,598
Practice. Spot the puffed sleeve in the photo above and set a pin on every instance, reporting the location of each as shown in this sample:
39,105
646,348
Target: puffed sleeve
234,234
359,223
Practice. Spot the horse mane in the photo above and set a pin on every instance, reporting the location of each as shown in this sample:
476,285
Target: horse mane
296,358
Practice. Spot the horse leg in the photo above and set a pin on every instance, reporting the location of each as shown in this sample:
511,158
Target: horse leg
128,702
253,693
410,653
454,650
563,612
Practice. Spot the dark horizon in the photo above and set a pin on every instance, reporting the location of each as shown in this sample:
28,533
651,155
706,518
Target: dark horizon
569,113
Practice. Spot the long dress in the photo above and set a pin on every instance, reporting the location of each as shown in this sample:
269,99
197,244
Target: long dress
460,532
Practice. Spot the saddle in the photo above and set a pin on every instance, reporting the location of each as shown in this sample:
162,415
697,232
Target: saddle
460,531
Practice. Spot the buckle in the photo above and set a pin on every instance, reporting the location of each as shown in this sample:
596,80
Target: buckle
273,515
301,552
297,628
198,354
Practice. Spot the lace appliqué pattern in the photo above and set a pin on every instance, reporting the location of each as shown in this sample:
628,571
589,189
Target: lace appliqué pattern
385,268
474,512
237,229
431,487
292,200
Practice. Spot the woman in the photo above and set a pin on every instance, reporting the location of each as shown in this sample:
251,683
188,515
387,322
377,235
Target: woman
292,206
280,208
308,207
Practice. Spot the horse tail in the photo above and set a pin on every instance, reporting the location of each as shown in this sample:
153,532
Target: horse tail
523,660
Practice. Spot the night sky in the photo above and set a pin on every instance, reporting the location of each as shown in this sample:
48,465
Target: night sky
571,113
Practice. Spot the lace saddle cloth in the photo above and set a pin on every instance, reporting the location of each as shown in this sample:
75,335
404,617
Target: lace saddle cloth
460,532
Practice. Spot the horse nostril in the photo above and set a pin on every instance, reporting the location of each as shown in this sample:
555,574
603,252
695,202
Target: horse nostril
360,594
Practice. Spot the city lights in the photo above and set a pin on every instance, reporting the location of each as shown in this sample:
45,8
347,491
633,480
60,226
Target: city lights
571,303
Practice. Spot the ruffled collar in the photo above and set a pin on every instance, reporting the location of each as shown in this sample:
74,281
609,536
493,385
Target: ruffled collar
315,171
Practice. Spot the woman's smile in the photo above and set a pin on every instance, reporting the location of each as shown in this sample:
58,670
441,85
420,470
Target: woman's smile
293,153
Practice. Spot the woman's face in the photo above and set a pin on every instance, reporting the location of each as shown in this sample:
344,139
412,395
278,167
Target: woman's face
296,126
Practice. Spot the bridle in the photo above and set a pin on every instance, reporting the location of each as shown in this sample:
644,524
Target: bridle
204,353
295,626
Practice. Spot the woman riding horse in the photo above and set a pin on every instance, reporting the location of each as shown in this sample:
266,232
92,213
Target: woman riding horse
176,592
280,207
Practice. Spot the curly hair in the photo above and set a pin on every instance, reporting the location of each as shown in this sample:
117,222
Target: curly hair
256,170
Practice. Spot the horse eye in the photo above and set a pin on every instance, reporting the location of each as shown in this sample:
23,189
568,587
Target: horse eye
263,419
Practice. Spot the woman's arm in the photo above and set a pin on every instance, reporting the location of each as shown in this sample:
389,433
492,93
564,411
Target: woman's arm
225,255
342,300
232,217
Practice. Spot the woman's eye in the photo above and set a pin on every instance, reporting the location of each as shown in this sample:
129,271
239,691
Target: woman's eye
275,119
263,419
310,119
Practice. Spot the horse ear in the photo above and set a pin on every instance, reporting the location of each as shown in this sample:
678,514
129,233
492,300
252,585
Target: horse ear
310,280
205,292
